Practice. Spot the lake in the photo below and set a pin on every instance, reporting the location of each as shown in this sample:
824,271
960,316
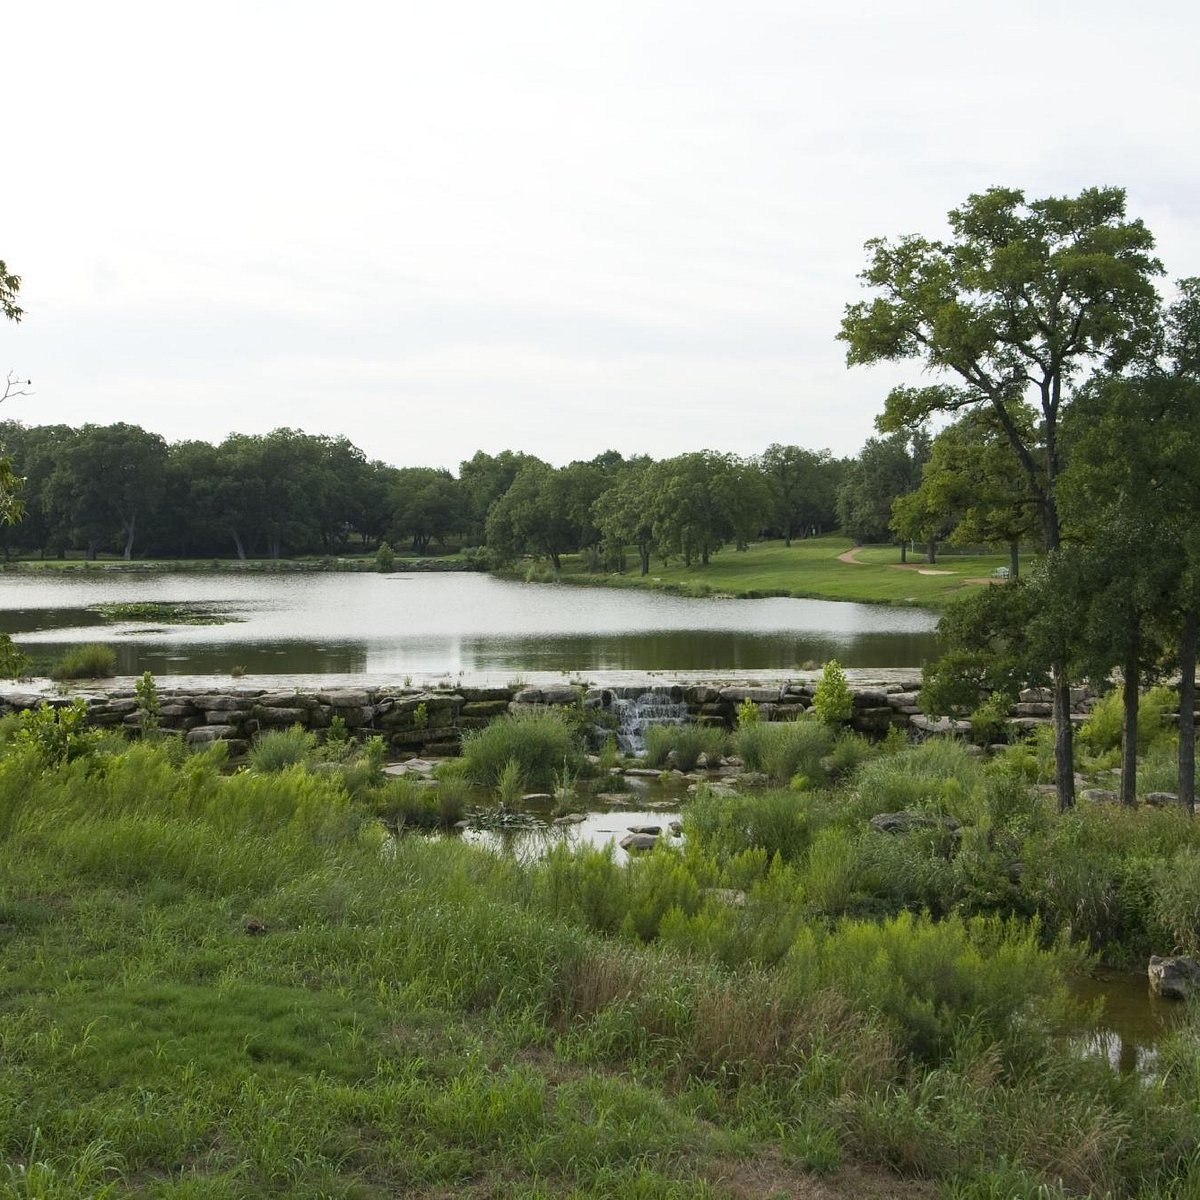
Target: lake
428,624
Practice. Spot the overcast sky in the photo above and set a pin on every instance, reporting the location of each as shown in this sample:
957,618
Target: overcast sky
557,227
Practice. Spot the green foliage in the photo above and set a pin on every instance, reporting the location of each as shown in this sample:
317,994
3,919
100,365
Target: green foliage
938,775
783,749
278,749
511,782
1101,732
989,721
96,660
58,734
833,701
421,716
684,744
385,558
747,713
540,743
146,691
13,663
774,821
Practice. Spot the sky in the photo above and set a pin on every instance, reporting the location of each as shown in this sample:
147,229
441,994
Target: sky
555,227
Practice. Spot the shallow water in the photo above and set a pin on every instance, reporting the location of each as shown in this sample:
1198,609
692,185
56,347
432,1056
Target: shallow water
1131,1020
449,623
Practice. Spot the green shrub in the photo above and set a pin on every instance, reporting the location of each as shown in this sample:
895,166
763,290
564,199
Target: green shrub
96,660
747,713
540,743
511,782
938,775
784,749
147,703
989,721
775,821
385,558
13,663
833,701
58,734
1101,732
278,749
686,742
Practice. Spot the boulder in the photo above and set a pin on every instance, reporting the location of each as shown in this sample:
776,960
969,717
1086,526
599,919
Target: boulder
1160,799
636,842
907,822
1175,977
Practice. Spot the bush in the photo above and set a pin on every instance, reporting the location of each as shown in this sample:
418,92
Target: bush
540,743
278,749
687,742
385,558
777,822
833,701
989,722
784,749
13,663
93,661
1101,732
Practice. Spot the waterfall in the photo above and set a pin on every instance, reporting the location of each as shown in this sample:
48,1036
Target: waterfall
635,713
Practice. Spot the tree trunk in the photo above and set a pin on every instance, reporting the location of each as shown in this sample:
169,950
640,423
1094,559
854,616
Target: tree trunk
90,553
931,550
237,541
644,555
554,558
1129,698
129,528
1064,738
904,552
1187,709
1014,560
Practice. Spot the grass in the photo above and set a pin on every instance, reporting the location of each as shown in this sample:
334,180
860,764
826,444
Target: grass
96,660
808,568
220,984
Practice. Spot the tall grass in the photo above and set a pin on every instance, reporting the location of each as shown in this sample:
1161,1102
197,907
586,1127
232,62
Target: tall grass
784,749
538,743
237,984
682,745
96,660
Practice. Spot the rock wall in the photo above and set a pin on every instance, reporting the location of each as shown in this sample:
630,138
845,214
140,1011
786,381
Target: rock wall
430,721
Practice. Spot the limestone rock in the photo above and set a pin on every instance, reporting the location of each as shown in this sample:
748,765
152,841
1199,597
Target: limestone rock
1174,977
632,842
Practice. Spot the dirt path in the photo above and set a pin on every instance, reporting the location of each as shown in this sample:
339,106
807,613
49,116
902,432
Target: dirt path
851,556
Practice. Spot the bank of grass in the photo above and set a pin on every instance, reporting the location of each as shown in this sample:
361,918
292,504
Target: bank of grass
809,568
231,985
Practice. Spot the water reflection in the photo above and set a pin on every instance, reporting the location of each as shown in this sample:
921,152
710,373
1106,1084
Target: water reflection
317,624
1131,1021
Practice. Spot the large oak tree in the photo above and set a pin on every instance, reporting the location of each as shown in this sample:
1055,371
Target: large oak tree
1019,305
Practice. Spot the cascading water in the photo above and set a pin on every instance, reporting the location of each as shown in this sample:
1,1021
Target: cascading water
636,713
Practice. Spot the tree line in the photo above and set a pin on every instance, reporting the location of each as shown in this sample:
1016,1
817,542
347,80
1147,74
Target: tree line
123,489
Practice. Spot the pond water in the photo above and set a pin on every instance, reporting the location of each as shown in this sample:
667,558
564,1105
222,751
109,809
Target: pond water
448,623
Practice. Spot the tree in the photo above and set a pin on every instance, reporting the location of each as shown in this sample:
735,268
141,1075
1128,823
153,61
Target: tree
10,285
972,489
109,477
1131,492
885,469
802,484
1021,302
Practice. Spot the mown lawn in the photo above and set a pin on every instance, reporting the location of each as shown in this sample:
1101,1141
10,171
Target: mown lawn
809,568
